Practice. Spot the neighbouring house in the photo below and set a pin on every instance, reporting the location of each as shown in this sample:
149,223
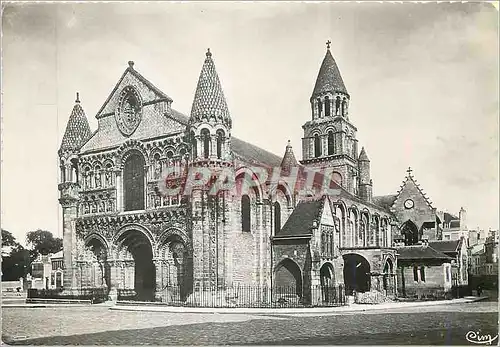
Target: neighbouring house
477,259
456,249
453,227
423,271
483,268
47,272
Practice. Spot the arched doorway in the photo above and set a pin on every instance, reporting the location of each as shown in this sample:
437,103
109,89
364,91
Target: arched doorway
356,274
288,277
327,281
135,244
100,272
177,267
410,233
388,280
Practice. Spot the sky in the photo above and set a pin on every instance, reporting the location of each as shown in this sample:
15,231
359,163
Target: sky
423,81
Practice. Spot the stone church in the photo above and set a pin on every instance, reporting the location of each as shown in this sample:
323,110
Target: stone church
122,234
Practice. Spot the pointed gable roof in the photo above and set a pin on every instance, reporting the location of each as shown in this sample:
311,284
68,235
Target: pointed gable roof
77,130
362,155
108,106
209,101
329,78
289,159
301,221
411,181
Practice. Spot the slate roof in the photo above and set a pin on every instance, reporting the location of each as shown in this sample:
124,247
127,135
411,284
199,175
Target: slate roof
301,220
77,130
243,150
329,78
448,217
252,154
209,101
384,201
420,252
446,246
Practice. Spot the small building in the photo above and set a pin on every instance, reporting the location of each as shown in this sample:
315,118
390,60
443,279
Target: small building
477,259
47,271
456,249
423,271
454,228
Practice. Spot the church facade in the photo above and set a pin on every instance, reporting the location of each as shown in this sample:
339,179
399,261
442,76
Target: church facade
273,226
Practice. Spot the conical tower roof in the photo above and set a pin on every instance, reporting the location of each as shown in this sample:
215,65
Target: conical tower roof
289,160
329,78
77,130
362,155
209,101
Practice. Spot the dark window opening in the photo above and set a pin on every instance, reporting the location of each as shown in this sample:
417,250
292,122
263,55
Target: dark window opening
133,182
320,108
205,135
337,106
277,217
422,273
220,141
317,146
415,273
331,143
245,213
327,106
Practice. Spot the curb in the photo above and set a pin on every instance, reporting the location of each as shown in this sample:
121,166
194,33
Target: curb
286,311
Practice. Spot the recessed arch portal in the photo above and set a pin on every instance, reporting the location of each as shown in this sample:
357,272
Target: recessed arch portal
100,272
410,233
135,243
356,273
287,274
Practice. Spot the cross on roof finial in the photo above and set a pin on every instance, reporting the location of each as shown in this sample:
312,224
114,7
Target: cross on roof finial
208,54
77,98
409,171
328,43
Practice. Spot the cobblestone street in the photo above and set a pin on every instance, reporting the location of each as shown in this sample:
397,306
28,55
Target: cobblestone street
438,325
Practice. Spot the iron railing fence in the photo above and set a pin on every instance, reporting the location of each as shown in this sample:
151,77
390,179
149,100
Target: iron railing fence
95,295
252,296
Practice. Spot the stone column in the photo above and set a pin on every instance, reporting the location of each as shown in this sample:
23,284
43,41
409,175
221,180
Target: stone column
119,191
159,285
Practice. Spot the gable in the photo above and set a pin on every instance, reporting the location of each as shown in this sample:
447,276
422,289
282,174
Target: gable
421,211
149,93
157,118
327,217
301,220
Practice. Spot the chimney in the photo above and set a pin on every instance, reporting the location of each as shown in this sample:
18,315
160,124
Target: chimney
462,215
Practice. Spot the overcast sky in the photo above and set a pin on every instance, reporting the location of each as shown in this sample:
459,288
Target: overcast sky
423,80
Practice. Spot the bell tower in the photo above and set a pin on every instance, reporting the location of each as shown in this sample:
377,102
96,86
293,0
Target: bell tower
330,137
209,131
76,135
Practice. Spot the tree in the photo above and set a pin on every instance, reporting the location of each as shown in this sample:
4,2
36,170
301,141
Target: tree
15,259
43,242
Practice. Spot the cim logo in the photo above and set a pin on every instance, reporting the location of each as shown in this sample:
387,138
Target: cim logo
478,338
